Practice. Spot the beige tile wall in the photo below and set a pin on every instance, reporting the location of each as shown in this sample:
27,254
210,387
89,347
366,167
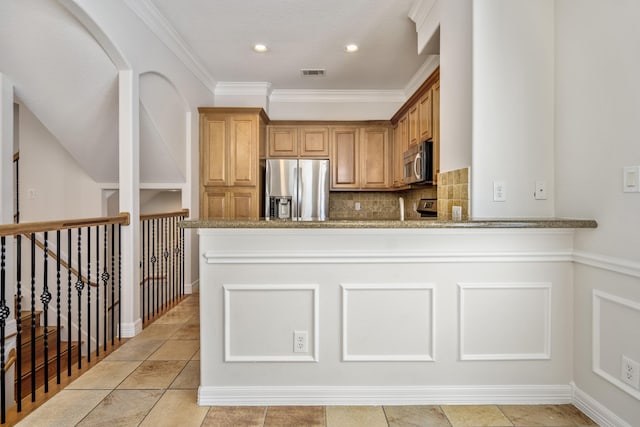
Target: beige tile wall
377,204
453,190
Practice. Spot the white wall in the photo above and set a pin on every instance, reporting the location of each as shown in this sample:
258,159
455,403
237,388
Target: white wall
52,184
455,84
513,105
597,128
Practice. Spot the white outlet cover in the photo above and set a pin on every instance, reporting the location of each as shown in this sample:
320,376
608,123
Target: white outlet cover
300,342
499,191
541,190
631,179
630,372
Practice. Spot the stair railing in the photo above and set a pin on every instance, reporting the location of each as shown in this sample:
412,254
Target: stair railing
84,260
161,262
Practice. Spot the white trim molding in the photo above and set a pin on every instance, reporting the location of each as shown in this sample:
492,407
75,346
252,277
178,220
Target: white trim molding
425,357
383,395
545,352
129,330
615,264
595,410
243,88
314,356
598,296
339,96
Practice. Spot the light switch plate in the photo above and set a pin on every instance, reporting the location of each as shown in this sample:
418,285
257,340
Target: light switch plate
541,190
631,179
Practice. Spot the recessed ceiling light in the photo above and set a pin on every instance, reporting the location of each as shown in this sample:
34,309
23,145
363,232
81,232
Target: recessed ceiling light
350,48
260,48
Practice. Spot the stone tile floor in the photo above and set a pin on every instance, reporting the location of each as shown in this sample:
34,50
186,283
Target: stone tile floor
152,380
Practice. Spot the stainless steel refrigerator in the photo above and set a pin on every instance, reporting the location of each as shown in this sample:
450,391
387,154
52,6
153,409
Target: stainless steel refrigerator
297,190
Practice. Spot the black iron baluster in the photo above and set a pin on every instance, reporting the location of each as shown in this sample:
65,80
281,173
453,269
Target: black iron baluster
45,298
33,317
142,265
165,253
79,287
113,278
97,291
154,299
182,262
19,322
119,281
58,298
105,279
148,278
4,314
69,262
88,294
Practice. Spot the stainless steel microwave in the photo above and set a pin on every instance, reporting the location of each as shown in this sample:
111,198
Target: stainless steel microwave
418,163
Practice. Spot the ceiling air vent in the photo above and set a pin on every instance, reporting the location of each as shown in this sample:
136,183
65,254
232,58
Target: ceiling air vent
313,72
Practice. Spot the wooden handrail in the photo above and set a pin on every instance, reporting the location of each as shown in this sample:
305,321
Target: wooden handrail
38,227
62,262
183,212
10,360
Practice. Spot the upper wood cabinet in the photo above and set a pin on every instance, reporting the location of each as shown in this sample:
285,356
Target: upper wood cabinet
283,141
345,157
231,142
413,123
435,95
360,158
400,145
375,158
298,141
424,116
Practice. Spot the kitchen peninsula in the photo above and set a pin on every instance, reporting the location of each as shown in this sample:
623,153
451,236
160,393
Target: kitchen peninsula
386,312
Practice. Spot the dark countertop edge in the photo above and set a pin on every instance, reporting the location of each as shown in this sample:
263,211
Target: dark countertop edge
420,223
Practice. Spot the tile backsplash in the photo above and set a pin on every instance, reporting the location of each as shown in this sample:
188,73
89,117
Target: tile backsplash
377,204
453,190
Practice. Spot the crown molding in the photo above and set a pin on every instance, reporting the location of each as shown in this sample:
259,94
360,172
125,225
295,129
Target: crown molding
303,95
420,10
160,26
425,70
243,88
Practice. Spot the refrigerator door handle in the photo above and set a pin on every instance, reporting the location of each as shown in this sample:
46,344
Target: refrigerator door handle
298,180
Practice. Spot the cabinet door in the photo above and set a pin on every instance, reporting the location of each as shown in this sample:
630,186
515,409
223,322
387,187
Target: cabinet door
213,150
424,114
283,142
413,125
314,142
436,129
375,158
243,148
344,158
400,145
243,204
213,204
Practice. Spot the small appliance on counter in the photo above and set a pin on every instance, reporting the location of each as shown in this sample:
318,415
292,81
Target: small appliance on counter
427,208
297,190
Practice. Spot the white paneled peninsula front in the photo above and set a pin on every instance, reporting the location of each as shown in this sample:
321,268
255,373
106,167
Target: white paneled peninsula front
386,312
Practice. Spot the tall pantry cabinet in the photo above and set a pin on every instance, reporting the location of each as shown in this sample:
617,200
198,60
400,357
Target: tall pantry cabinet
232,142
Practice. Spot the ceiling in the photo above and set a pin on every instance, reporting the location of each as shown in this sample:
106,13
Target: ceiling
220,34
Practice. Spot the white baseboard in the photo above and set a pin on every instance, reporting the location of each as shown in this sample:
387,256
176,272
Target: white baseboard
599,413
190,288
380,395
129,330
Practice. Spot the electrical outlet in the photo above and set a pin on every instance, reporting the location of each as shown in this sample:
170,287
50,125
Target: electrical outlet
630,372
540,193
499,191
357,206
300,342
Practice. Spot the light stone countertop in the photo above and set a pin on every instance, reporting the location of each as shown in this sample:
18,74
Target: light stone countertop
420,223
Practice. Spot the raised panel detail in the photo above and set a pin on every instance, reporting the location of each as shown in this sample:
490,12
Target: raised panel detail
375,158
243,151
214,153
314,142
259,322
215,204
242,204
283,142
518,326
345,157
394,322
612,315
